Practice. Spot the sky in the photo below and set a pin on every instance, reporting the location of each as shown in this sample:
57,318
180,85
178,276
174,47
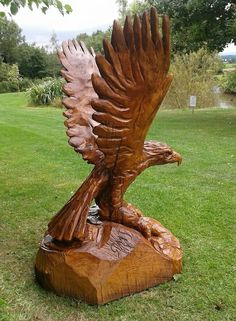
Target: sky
87,16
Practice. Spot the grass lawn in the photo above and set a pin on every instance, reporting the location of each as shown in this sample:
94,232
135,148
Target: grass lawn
229,65
196,201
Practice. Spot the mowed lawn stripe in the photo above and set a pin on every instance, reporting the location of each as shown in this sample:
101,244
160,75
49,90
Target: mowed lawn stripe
196,201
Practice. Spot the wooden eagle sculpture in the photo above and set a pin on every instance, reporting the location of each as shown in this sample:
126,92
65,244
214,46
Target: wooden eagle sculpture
111,102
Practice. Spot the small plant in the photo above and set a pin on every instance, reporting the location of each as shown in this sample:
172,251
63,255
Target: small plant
228,82
46,93
9,86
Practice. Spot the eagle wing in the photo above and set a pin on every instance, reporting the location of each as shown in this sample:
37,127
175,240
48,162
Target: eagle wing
79,64
132,83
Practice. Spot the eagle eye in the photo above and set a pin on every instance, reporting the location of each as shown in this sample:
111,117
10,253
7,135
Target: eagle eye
168,153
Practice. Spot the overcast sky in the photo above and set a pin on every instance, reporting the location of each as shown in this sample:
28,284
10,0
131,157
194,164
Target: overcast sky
87,16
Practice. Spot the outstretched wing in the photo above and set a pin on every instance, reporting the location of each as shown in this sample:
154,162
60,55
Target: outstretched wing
79,65
133,82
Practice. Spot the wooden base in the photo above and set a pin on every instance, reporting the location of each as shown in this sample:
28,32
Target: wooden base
114,261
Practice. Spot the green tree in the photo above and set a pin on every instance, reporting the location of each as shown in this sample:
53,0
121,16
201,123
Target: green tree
95,39
53,63
10,39
137,6
196,23
53,43
32,61
122,5
13,6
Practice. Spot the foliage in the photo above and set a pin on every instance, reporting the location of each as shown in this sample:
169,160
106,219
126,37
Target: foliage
122,9
137,7
32,61
10,39
14,5
9,72
25,83
9,86
95,39
196,23
195,201
194,74
52,66
228,82
21,84
54,43
9,78
46,93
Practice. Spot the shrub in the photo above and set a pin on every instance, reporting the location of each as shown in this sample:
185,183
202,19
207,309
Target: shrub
9,78
9,72
194,74
228,82
21,84
25,83
9,86
46,93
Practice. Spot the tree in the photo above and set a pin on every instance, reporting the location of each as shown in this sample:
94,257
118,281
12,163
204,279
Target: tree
10,39
95,40
197,23
53,65
32,61
122,4
137,6
53,43
13,6
193,74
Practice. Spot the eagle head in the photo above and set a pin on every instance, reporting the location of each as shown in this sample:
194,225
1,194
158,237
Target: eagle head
157,153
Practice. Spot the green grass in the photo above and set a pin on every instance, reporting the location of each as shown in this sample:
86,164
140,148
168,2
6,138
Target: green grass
196,201
229,65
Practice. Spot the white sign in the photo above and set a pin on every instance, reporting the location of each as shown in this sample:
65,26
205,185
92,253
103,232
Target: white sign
192,101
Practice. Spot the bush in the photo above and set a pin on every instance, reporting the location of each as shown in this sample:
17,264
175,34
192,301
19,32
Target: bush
9,72
228,82
25,83
194,75
9,86
21,84
46,93
9,78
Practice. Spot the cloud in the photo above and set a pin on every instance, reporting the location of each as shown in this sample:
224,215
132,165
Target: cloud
87,16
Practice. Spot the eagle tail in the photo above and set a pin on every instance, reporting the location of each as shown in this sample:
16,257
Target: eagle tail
70,221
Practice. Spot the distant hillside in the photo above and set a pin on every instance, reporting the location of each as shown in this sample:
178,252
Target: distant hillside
229,57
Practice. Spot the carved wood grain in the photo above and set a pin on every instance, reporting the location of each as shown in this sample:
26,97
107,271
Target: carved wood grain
108,119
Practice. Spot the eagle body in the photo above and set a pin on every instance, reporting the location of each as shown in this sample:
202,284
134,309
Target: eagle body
111,102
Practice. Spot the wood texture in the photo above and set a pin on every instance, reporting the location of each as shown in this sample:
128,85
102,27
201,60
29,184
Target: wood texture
108,119
113,262
111,102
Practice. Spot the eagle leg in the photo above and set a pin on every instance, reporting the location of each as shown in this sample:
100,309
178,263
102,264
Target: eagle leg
151,229
113,207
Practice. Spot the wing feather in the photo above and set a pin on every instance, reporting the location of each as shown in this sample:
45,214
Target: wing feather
79,64
132,83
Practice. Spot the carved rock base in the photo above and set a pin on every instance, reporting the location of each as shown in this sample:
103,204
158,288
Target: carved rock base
114,261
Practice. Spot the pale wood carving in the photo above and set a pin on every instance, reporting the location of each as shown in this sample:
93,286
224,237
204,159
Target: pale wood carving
111,102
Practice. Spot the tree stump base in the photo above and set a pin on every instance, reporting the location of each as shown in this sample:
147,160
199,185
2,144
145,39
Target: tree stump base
112,262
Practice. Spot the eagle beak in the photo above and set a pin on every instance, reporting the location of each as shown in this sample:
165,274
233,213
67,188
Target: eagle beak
177,158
